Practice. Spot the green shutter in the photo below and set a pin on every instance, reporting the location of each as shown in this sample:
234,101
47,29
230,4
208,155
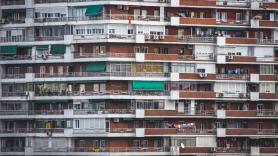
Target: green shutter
58,49
93,10
96,67
148,85
8,50
41,47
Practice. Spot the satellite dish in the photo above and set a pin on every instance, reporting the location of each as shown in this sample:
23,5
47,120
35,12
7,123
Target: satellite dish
182,145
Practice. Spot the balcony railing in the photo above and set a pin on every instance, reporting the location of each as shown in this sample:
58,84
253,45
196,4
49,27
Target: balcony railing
162,112
267,113
94,18
229,3
178,131
104,36
233,22
230,150
110,92
14,21
13,2
232,76
7,94
75,1
104,111
16,57
103,55
101,74
13,76
12,149
187,38
250,131
30,39
33,130
104,130
104,149
31,112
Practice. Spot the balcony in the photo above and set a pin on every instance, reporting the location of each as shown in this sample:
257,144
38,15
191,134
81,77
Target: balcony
171,113
197,94
229,22
16,57
240,40
250,132
23,39
121,150
12,94
12,149
193,76
204,3
104,111
268,96
265,23
105,132
80,1
268,150
250,113
13,76
198,21
241,59
13,21
195,150
94,93
13,2
227,3
232,77
32,130
124,17
104,55
176,131
269,5
182,39
268,77
230,150
105,37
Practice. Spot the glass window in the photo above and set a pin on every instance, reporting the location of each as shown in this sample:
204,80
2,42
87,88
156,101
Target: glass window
267,69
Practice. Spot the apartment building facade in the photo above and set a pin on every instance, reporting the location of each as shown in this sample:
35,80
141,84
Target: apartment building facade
139,77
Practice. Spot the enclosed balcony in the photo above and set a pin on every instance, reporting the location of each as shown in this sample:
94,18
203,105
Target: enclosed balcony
177,131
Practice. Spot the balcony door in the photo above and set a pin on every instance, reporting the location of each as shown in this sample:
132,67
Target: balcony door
136,13
260,108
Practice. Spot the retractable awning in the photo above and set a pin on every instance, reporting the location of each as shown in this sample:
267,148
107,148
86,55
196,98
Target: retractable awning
93,10
148,85
8,50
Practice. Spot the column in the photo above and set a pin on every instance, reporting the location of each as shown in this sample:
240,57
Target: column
161,13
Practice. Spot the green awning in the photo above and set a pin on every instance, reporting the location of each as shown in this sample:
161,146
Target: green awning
96,67
8,50
58,49
50,101
229,28
93,10
148,85
42,47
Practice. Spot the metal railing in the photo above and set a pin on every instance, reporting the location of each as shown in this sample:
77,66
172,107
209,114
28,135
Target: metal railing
13,76
267,112
102,55
104,149
16,57
103,111
195,131
232,76
30,39
32,130
6,94
104,130
13,2
12,149
103,36
230,150
101,74
95,93
75,1
102,17
230,3
232,22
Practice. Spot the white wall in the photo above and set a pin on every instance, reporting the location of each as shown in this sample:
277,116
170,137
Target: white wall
169,105
229,87
210,68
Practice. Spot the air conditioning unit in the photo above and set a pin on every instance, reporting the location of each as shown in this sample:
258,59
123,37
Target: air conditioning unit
116,120
49,133
203,75
230,57
211,56
220,94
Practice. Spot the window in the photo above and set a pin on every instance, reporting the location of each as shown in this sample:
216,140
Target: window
267,87
267,69
140,143
187,142
183,68
111,31
130,31
76,125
